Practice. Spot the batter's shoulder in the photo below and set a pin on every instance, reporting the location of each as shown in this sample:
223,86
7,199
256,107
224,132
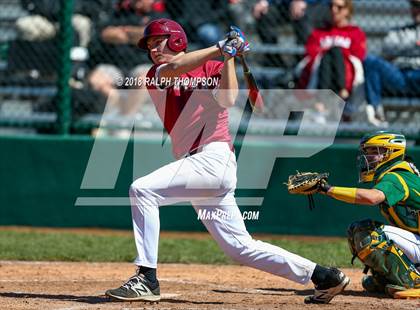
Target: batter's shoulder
151,77
152,70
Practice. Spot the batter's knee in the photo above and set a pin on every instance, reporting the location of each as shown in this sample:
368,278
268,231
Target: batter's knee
135,189
139,190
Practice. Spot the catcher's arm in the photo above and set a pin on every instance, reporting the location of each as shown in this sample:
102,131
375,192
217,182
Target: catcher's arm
309,183
361,196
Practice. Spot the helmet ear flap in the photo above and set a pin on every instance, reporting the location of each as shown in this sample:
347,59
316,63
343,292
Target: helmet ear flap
177,43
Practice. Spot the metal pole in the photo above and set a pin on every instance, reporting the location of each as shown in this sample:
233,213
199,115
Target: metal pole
63,98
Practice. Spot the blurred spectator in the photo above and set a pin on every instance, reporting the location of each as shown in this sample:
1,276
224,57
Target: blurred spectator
42,21
37,34
92,96
116,37
400,75
116,60
200,19
241,13
303,15
334,56
102,94
114,52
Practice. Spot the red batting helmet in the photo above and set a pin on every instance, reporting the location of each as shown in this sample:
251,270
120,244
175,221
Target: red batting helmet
177,38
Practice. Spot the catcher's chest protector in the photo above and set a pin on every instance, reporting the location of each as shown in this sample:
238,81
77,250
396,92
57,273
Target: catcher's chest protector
406,213
369,243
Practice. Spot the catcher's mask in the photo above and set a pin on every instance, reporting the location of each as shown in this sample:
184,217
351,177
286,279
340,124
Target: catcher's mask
377,151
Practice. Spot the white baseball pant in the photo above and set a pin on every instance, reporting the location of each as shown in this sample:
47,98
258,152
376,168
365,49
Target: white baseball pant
207,179
408,242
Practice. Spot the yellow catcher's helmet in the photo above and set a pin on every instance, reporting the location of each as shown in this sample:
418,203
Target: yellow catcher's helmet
377,152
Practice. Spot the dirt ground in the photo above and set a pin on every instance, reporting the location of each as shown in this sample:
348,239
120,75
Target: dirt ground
67,285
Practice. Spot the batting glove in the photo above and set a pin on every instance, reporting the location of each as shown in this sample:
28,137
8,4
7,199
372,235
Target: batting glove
234,44
242,44
227,47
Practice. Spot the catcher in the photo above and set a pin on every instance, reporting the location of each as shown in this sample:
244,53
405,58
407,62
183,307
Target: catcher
391,252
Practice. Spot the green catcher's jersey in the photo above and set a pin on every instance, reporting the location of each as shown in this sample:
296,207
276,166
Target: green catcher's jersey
401,187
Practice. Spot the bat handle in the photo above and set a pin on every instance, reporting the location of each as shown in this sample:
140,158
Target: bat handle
244,64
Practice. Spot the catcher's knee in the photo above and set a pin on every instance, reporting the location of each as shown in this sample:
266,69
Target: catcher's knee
369,243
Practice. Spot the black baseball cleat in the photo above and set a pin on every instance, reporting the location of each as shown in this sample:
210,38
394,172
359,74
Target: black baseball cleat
325,292
136,288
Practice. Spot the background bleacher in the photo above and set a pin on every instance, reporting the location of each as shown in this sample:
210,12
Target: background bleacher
28,89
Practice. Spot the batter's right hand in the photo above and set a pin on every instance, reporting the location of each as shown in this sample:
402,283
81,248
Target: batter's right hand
234,44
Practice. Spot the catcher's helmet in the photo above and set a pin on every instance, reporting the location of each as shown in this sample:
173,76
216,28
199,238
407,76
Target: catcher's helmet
177,41
378,151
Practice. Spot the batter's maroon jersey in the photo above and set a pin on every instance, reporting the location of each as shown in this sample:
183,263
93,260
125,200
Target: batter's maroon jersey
190,113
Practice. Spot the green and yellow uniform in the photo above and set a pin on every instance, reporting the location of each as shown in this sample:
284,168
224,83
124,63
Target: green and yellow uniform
382,161
401,187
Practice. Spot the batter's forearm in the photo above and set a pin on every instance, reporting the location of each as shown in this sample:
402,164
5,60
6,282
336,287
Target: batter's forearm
189,61
357,195
228,85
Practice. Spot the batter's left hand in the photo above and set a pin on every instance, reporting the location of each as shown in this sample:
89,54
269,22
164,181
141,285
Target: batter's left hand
239,40
234,44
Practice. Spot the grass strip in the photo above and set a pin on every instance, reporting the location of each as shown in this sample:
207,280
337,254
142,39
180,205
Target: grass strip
65,246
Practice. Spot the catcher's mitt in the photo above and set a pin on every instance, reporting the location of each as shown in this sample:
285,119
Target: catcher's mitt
307,183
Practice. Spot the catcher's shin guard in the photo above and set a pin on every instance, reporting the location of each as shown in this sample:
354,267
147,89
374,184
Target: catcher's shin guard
369,243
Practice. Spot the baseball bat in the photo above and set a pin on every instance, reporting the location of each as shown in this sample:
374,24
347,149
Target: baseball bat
254,104
255,99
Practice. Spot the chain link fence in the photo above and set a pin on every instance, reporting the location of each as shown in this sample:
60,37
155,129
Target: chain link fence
61,61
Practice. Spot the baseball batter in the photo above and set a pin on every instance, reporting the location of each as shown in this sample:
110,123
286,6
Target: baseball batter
391,252
196,118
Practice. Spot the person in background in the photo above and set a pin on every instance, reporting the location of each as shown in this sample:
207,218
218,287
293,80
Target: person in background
117,35
42,21
303,15
202,20
115,61
399,72
334,56
241,13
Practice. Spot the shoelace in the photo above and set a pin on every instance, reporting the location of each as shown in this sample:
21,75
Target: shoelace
133,281
339,279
